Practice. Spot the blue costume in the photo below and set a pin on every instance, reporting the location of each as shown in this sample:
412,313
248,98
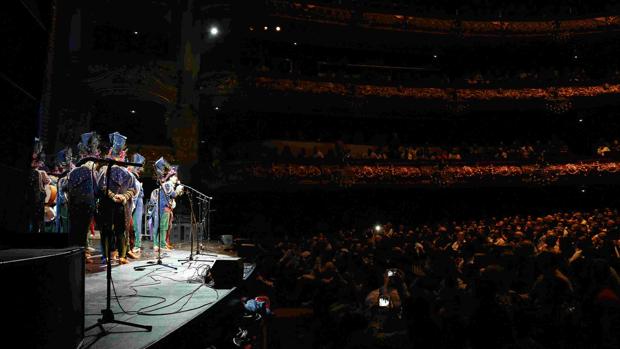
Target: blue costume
118,189
81,189
63,160
152,214
138,203
162,200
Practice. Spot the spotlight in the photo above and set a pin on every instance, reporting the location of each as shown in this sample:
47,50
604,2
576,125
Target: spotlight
135,33
265,27
277,29
214,31
434,56
217,108
377,228
133,111
583,190
295,44
575,57
580,120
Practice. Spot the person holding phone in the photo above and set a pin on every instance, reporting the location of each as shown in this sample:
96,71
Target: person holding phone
393,289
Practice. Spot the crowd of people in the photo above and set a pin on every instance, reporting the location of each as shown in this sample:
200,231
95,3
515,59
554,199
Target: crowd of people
520,281
336,152
481,8
511,152
75,195
424,76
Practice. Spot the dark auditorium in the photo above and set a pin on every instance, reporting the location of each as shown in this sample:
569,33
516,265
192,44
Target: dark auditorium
301,174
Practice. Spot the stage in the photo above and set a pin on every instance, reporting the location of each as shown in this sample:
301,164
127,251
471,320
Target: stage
167,299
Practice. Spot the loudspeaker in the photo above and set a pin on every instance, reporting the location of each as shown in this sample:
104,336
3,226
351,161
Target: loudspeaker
227,273
43,290
248,251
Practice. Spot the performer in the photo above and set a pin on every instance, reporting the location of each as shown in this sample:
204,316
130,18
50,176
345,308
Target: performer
174,186
36,196
138,207
117,192
51,191
152,214
63,166
81,190
165,202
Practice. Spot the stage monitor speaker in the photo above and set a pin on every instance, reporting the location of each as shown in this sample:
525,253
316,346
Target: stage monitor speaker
248,251
227,273
43,293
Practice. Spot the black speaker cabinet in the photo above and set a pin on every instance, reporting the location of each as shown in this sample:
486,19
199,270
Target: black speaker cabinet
227,273
247,250
43,290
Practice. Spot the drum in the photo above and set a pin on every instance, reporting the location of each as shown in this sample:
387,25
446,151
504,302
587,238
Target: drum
50,195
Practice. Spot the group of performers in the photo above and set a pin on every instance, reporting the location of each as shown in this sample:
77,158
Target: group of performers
75,198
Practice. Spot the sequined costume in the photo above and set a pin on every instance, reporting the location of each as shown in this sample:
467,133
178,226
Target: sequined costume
64,165
81,189
35,198
138,203
165,204
118,189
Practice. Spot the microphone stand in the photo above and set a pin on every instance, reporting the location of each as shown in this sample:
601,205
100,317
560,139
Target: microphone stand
107,315
158,261
192,229
202,199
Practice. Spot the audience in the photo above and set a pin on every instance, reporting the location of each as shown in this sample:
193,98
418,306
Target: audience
479,8
395,151
513,282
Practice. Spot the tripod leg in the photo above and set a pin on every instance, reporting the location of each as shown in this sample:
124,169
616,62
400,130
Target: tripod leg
98,324
146,327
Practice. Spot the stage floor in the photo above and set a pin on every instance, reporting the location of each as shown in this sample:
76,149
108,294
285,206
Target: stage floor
162,297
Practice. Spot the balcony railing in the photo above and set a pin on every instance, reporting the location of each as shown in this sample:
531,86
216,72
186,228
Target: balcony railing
367,18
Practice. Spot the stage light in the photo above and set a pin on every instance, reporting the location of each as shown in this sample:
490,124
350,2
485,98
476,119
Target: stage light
135,33
377,228
277,29
434,56
217,108
580,120
583,190
575,57
214,31
265,27
294,44
251,28
133,111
